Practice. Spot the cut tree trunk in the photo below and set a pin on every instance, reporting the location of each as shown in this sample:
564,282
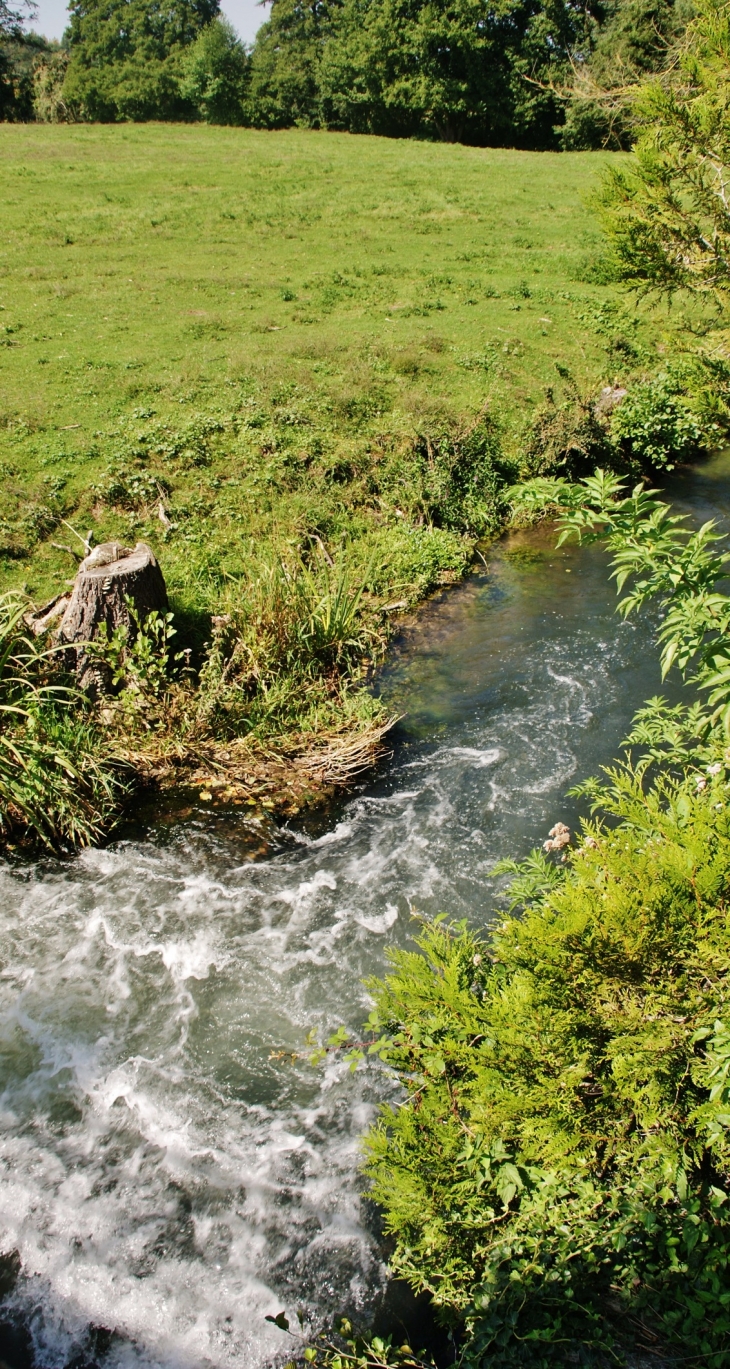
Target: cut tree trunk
106,579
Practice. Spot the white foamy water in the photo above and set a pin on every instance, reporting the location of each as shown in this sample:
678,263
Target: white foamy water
162,1177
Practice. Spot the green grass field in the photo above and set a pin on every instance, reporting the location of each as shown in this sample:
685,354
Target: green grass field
241,319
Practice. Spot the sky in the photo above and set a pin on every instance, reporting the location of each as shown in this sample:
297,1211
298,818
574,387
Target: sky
245,15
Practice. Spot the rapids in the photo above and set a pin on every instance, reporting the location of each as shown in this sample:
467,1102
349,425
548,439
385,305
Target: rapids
172,1170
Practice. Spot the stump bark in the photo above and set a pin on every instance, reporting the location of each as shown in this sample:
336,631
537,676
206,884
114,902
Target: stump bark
106,579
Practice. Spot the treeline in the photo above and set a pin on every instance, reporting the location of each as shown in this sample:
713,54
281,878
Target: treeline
524,73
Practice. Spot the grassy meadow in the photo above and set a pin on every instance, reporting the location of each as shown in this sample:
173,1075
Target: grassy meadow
240,319
301,366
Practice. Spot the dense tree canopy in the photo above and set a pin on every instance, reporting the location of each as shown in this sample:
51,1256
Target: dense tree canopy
459,69
451,69
126,56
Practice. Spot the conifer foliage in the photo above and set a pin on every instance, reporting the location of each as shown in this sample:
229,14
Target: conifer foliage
667,213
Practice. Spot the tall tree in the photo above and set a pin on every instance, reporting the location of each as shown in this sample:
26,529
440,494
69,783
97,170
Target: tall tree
215,74
126,56
285,62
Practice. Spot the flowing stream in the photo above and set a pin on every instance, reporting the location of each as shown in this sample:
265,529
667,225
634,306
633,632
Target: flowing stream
171,1171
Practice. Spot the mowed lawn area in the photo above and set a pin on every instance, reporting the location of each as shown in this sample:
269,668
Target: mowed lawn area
241,324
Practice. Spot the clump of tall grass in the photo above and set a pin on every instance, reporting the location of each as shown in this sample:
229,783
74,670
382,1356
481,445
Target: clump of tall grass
58,782
287,641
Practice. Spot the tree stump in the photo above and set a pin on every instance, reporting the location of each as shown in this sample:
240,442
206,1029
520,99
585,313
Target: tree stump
109,576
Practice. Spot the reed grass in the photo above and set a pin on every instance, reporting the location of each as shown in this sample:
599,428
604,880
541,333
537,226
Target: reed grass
58,779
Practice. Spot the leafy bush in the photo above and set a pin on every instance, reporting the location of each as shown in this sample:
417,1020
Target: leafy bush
215,72
567,437
20,55
136,656
588,124
681,568
407,560
451,479
561,1157
657,423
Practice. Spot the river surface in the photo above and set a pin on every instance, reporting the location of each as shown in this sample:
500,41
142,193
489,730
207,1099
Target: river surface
170,1172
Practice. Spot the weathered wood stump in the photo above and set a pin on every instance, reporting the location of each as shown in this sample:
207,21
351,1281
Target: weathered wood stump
109,576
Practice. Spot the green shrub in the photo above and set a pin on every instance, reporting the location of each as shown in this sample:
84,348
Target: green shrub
407,560
136,657
672,416
657,423
215,73
561,1155
449,478
567,437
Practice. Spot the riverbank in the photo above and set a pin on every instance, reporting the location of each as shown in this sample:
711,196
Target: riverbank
159,991
304,369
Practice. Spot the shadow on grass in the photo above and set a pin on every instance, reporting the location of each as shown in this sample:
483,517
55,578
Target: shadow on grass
193,627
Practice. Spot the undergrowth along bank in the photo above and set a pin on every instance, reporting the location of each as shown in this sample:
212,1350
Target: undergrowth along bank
557,1171
262,702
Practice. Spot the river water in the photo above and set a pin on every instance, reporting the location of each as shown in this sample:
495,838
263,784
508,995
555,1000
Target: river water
170,1171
